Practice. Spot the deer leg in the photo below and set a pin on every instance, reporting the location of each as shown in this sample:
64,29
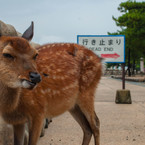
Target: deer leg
19,132
26,137
93,122
96,129
81,119
35,130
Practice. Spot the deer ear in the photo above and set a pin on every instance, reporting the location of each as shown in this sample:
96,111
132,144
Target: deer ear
28,34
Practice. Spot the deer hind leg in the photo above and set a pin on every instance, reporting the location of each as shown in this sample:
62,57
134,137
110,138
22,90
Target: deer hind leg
81,119
87,108
95,125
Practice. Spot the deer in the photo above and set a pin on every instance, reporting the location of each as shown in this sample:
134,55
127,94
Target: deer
18,70
70,74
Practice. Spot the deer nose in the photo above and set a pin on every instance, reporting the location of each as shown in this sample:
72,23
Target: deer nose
35,77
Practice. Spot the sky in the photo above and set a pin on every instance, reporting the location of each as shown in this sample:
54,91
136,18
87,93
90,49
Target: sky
61,20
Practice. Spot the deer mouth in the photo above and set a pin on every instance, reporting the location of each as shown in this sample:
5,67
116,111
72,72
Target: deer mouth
31,81
32,84
28,84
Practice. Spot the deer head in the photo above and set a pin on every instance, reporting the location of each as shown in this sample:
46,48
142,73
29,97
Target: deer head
17,61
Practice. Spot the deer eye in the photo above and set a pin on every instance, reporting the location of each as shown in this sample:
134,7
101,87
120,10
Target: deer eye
7,55
35,57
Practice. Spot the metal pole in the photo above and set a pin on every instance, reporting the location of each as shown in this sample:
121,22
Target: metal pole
123,76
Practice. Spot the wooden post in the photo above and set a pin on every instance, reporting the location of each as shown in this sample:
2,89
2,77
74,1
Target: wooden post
123,76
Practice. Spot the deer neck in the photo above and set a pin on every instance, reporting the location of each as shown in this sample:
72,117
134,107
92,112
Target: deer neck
9,98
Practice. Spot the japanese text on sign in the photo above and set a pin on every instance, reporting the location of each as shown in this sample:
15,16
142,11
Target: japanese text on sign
111,48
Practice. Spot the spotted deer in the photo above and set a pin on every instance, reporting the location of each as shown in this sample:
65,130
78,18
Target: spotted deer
70,74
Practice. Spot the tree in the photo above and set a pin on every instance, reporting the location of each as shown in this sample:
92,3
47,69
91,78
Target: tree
132,24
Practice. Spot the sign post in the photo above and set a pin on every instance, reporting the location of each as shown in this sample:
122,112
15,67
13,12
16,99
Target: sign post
123,76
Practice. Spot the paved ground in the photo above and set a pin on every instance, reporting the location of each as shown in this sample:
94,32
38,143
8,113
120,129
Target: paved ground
121,124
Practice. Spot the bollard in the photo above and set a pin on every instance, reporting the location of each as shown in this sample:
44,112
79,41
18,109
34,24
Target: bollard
123,97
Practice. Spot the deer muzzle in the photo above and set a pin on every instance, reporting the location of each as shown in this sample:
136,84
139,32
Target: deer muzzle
35,77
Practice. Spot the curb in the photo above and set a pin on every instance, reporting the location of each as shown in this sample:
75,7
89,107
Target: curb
130,79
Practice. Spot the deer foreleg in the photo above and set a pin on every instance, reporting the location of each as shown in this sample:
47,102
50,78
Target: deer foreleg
19,133
35,130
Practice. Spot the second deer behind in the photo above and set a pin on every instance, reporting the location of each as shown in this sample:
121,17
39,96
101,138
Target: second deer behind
70,74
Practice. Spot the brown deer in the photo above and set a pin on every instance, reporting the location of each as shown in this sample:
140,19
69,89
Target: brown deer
17,70
70,74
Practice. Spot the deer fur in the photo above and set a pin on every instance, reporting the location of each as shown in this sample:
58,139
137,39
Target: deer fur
70,74
18,70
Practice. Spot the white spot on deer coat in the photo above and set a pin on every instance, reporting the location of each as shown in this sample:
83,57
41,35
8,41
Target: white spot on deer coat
43,92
